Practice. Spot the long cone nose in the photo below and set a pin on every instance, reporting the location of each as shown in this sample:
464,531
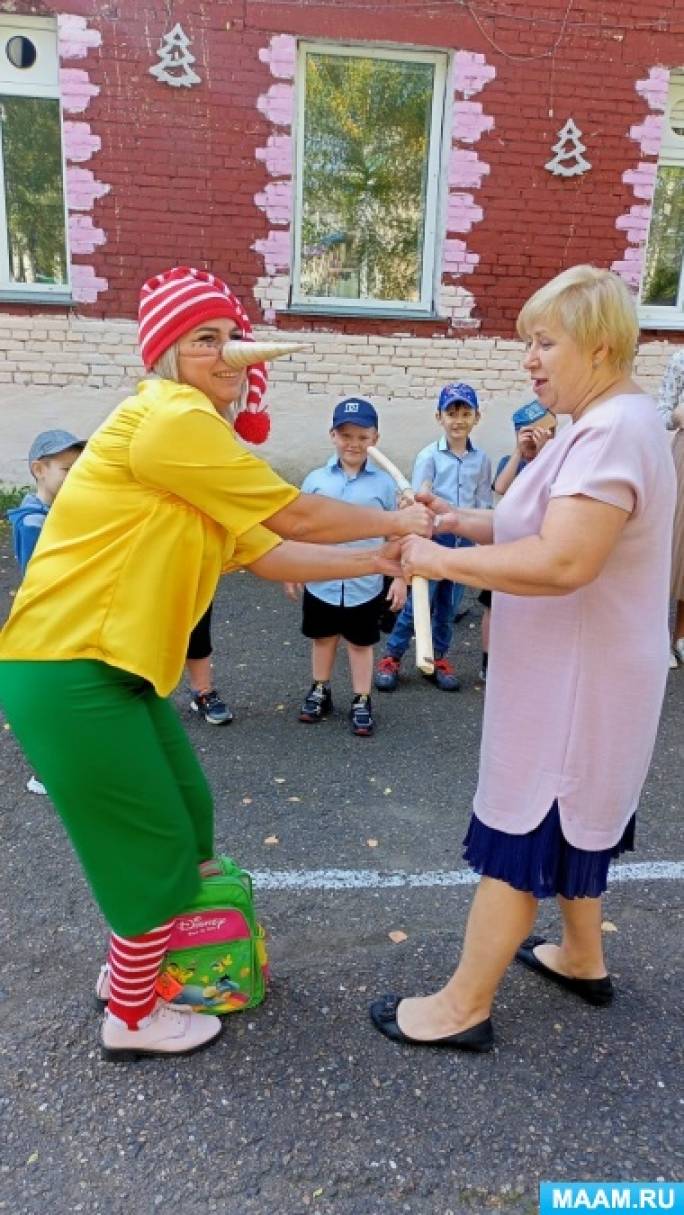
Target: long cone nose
237,354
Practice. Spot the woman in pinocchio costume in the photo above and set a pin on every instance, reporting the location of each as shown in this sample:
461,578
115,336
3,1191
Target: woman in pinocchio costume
162,502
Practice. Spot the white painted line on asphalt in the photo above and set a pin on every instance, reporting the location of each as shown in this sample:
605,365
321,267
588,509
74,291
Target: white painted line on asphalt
376,879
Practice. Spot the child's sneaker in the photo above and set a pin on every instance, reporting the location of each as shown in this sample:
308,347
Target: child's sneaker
317,703
444,676
165,1032
387,673
210,706
36,786
361,716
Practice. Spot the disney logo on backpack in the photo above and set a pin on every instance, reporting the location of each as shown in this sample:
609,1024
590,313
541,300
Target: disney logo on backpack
217,962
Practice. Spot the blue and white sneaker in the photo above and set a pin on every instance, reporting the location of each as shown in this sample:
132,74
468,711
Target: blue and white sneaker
210,706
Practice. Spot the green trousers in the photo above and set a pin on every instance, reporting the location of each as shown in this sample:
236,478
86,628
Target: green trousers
120,770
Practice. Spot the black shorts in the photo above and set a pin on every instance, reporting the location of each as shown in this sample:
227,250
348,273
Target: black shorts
485,598
359,625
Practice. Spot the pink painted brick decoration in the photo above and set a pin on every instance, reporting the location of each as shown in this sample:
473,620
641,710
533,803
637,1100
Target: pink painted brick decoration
471,72
281,56
276,201
275,250
84,237
469,122
649,134
79,141
277,155
85,285
655,88
278,104
76,90
75,39
466,168
83,189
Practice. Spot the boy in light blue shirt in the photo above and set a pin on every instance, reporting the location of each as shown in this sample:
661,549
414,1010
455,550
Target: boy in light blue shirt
349,608
460,473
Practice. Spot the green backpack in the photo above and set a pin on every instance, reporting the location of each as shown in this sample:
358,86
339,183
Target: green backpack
216,961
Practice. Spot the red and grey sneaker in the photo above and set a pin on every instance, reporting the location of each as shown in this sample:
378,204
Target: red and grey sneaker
316,704
361,716
387,673
444,676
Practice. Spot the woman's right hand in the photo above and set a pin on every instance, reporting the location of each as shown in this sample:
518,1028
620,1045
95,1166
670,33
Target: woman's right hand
293,590
415,520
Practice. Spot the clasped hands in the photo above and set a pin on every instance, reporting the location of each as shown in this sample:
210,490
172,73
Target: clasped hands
415,553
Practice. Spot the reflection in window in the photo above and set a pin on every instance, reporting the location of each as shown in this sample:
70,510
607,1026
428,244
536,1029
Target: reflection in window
666,240
34,199
366,153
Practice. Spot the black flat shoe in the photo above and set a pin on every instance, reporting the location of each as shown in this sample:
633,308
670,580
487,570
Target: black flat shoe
598,992
383,1014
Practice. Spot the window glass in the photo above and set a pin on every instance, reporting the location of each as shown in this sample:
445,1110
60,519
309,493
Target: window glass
34,199
366,157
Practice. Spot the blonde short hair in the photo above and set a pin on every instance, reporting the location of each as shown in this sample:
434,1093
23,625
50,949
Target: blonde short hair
593,306
166,365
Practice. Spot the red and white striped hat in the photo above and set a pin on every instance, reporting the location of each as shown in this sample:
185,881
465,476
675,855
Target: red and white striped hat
178,300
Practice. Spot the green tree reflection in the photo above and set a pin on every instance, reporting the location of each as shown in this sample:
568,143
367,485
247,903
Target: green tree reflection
34,197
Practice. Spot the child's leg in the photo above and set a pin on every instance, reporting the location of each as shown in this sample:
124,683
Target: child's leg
442,616
399,639
200,675
323,651
361,667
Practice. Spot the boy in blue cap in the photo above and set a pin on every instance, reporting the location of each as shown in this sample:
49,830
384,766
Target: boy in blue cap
534,426
348,608
461,473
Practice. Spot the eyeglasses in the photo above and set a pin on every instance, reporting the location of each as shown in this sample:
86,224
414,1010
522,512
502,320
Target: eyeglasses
209,345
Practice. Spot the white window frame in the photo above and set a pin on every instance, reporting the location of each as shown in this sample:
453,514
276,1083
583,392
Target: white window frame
11,25
425,306
671,316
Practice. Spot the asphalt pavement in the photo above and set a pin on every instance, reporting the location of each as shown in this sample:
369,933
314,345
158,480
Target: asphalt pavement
301,1107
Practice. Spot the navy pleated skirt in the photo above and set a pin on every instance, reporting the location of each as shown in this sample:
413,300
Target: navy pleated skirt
542,862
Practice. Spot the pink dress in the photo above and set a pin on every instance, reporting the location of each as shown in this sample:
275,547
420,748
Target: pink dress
576,682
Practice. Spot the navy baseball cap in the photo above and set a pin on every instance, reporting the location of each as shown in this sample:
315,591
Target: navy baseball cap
356,410
528,414
457,394
51,443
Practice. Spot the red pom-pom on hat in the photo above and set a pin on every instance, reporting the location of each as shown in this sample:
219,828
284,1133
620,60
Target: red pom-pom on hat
252,427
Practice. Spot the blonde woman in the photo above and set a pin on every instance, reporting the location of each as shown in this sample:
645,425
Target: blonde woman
578,552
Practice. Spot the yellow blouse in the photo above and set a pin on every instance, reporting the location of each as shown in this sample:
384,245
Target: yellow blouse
161,502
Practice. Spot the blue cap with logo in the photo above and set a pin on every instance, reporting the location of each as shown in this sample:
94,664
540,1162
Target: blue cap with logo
528,414
457,394
356,410
51,443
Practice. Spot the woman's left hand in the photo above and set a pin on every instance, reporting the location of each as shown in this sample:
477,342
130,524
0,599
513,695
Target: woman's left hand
422,557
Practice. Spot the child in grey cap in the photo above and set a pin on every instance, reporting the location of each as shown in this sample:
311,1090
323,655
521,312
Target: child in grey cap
51,456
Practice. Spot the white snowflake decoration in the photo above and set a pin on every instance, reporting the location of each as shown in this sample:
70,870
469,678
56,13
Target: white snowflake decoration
175,60
568,161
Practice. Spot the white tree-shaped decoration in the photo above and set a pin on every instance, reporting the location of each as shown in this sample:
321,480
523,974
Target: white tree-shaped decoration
175,60
568,161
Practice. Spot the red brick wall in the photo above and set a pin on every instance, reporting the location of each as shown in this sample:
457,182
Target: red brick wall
181,162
